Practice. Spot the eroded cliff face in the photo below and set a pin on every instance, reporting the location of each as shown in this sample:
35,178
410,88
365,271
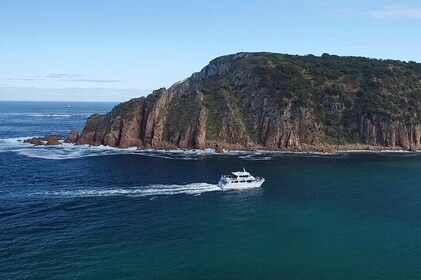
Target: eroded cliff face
391,134
268,101
118,128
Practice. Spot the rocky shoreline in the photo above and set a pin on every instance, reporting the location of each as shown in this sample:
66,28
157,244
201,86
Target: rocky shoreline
73,137
48,140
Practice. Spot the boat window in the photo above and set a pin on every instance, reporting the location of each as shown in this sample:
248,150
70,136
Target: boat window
248,181
242,181
243,176
235,181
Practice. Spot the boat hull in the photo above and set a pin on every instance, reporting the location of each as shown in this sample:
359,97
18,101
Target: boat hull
240,186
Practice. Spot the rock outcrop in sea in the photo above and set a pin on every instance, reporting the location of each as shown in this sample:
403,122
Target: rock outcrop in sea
273,101
49,140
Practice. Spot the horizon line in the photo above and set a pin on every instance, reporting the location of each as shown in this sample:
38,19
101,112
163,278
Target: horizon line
67,101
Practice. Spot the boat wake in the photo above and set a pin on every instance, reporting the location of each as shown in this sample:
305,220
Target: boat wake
138,191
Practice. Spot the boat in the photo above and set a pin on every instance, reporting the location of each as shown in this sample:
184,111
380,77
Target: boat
239,180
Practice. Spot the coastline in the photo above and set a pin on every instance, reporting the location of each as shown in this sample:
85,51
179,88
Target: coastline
231,150
221,148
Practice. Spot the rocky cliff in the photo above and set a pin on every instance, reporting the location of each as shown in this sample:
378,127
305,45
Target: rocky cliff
273,101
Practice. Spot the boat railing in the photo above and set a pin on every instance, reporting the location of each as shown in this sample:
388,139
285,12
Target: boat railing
228,177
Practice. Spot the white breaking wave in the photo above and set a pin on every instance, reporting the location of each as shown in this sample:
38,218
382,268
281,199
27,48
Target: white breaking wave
14,144
70,151
141,191
256,156
40,114
50,115
60,152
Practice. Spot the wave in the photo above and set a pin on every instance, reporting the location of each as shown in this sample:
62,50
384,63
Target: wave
376,152
59,152
14,144
71,151
140,191
256,156
51,115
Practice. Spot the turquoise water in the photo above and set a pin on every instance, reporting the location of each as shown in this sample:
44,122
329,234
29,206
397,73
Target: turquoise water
96,213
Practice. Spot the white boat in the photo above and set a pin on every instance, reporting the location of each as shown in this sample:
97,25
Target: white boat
239,180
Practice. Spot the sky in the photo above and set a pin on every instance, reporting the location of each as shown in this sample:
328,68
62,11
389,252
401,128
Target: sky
100,50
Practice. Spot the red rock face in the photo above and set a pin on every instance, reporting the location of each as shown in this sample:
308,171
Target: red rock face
72,137
46,140
234,104
391,134
34,141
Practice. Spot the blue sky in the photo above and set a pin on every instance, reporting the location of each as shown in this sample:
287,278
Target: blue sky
113,50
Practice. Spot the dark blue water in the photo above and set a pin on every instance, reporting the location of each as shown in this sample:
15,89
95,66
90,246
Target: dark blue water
20,119
98,213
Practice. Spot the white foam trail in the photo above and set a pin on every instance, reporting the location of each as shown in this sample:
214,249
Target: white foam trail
14,144
39,114
59,152
142,191
51,115
375,152
256,156
70,151
56,154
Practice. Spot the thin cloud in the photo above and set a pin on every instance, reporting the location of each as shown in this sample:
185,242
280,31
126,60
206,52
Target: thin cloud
62,76
91,80
66,78
70,94
398,11
26,79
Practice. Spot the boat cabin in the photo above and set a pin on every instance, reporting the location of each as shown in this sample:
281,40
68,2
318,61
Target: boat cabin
239,177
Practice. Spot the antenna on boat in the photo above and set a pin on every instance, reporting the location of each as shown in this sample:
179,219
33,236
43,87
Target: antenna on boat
242,165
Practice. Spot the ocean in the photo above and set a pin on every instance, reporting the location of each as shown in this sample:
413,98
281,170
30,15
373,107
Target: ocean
80,212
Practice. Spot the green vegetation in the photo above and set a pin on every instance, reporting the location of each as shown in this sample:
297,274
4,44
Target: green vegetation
182,112
215,100
126,110
284,100
342,89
